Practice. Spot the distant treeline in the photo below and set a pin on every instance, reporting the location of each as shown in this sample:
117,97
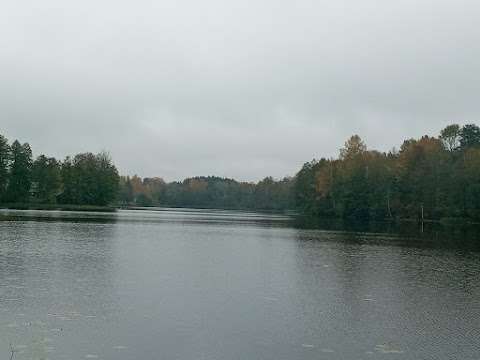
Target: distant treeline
207,192
85,179
430,177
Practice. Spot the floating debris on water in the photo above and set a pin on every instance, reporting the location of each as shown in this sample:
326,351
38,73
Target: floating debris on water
91,356
308,345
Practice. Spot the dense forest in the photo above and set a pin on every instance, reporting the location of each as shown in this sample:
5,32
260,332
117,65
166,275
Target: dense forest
430,177
85,179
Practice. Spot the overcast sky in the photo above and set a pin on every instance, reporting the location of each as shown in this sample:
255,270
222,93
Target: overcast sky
240,89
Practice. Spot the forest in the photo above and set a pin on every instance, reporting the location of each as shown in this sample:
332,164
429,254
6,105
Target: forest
430,178
85,179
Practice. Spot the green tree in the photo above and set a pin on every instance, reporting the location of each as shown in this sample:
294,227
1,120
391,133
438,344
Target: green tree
126,191
46,179
89,179
420,164
158,188
67,196
84,171
305,195
470,136
353,172
19,182
107,180
472,183
4,161
326,183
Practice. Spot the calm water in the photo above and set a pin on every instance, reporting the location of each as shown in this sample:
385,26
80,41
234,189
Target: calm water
220,285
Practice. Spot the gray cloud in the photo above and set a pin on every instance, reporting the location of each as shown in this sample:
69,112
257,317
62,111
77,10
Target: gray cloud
239,89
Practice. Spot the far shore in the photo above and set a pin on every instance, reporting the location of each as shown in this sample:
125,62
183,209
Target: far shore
94,208
58,207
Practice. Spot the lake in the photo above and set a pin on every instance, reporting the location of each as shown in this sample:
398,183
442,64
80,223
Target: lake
200,285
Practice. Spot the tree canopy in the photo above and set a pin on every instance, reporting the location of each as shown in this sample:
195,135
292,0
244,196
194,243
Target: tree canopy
428,177
86,179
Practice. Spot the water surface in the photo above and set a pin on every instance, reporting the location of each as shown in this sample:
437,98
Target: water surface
187,284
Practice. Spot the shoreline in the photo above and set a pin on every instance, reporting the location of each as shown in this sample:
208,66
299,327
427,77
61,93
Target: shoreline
96,208
58,207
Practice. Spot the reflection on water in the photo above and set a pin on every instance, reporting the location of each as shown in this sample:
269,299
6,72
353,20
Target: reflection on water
405,233
410,300
190,284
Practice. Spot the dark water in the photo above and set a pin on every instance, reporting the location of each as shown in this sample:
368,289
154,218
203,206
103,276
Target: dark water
220,285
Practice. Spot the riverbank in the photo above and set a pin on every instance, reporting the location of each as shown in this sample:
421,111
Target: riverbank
61,207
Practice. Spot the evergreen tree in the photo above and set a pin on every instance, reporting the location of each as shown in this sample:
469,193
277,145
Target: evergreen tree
4,161
19,182
89,179
46,179
470,136
305,193
107,180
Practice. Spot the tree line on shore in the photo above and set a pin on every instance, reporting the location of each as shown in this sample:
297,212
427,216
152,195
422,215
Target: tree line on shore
430,177
85,179
207,192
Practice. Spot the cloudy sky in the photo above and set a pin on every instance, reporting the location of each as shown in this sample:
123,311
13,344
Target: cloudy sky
241,89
